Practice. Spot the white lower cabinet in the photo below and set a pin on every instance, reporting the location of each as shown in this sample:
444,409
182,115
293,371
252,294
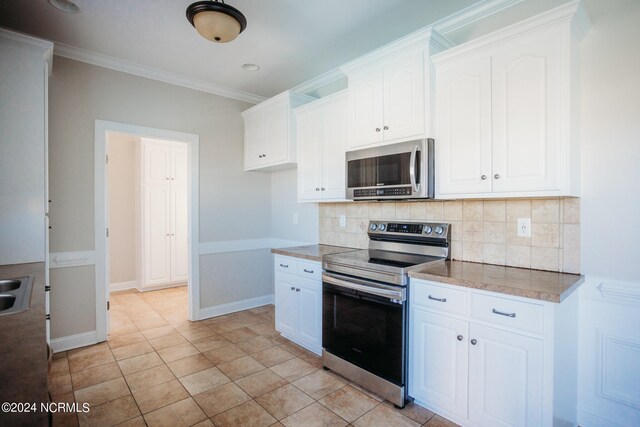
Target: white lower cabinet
475,371
298,301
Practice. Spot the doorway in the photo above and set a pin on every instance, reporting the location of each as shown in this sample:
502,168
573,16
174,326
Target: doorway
180,238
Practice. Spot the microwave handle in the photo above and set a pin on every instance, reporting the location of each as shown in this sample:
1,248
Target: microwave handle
412,169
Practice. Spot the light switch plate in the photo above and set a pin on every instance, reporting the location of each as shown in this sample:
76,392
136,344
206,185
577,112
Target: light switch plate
343,221
295,218
524,227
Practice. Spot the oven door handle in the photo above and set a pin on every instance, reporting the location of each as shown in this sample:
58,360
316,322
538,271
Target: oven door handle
412,168
385,293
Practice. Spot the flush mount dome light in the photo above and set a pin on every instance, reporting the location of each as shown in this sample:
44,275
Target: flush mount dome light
250,67
65,6
216,21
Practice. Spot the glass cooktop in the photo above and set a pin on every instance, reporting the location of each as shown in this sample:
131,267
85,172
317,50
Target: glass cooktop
375,259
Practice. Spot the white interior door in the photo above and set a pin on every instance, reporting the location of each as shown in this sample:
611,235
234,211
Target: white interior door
156,235
179,214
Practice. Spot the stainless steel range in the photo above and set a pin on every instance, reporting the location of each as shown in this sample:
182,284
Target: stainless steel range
365,307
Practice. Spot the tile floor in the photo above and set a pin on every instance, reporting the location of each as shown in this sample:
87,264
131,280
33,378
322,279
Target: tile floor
159,369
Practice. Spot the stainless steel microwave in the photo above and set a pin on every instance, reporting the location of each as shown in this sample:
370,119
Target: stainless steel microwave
398,171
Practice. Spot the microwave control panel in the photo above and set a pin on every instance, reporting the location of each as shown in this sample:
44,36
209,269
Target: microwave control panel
382,192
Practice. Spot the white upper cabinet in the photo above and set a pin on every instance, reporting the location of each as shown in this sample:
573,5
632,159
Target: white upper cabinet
270,132
390,91
322,138
506,108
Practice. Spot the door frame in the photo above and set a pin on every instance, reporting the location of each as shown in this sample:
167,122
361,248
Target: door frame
102,129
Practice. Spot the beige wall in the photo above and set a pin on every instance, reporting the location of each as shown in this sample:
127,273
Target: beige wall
122,207
481,230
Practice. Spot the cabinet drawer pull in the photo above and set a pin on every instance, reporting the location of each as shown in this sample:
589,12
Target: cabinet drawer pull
437,299
284,265
502,313
308,271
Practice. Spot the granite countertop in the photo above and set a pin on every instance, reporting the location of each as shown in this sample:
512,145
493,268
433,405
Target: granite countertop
312,252
522,282
24,351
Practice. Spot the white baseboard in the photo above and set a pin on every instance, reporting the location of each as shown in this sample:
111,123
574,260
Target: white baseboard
232,307
589,419
121,286
73,341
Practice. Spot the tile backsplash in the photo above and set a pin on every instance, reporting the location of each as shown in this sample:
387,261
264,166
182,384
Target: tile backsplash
481,230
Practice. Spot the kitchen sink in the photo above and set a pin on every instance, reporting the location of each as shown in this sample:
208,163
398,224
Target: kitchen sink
15,295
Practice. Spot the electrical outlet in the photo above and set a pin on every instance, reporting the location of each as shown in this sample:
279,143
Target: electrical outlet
343,221
295,218
524,227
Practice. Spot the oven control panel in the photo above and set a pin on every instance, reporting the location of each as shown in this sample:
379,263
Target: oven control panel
417,229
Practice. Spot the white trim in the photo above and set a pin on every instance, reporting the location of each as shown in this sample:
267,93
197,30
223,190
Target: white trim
152,73
122,286
472,14
73,341
616,290
71,259
588,418
43,46
101,255
233,307
320,81
226,246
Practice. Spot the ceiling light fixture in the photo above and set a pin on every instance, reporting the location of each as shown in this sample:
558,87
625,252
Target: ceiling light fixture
250,67
216,21
65,5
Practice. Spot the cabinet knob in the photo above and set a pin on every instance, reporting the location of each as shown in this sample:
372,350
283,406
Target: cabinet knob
168,235
377,129
496,176
460,337
264,155
317,189
483,177
322,188
293,288
297,289
259,156
386,128
474,341
51,227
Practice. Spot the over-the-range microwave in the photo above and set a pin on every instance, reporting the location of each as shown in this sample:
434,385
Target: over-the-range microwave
398,171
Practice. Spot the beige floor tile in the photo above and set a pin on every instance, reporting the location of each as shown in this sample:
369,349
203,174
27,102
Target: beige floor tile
132,350
314,415
224,354
383,416
292,348
134,422
140,363
312,358
261,382
86,361
143,325
177,352
241,367
149,378
83,351
95,375
220,399
255,344
272,356
203,380
349,403
249,414
240,334
198,334
126,339
205,423
189,365
167,341
158,396
180,414
102,392
412,410
60,384
265,328
438,421
59,367
117,330
65,419
110,413
293,369
318,384
284,401
158,332
211,342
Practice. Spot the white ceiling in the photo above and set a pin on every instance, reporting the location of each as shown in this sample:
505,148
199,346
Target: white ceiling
292,40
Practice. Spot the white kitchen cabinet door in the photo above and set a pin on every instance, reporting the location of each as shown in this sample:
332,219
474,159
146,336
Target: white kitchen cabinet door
286,303
439,361
463,127
366,92
310,312
404,98
157,240
253,137
276,139
505,378
526,109
309,127
333,149
179,215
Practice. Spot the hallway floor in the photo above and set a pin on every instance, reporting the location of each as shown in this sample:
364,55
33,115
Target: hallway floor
159,369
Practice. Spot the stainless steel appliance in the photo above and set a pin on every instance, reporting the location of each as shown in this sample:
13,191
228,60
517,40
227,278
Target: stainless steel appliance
365,307
398,171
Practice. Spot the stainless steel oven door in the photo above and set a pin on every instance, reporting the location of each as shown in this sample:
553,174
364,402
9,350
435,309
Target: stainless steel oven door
364,323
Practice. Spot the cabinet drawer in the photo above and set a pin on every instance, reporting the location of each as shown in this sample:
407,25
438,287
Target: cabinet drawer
285,264
436,297
310,270
504,311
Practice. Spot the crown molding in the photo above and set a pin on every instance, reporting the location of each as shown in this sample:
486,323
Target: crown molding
320,81
472,14
43,46
112,63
